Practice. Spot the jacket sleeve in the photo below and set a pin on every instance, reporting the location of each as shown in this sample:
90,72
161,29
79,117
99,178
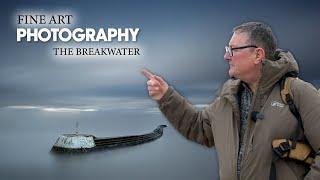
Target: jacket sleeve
307,100
190,122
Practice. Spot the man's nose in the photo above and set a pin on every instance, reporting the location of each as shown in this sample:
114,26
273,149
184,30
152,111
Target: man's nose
227,56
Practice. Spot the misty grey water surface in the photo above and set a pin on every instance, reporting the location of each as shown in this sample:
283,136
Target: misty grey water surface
27,134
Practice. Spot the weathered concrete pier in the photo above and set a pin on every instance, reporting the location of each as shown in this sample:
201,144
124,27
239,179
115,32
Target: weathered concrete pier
86,143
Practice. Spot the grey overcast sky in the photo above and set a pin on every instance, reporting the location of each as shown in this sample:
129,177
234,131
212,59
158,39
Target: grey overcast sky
183,41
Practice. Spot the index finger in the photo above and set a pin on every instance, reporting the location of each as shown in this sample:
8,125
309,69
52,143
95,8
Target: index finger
147,74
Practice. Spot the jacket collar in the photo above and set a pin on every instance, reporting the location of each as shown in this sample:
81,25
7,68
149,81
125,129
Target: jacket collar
273,70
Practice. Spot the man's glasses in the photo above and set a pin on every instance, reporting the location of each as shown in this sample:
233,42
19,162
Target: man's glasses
229,49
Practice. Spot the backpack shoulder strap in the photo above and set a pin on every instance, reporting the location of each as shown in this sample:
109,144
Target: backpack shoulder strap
287,98
286,88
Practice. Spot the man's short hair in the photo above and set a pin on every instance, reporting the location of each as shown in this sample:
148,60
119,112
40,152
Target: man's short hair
260,35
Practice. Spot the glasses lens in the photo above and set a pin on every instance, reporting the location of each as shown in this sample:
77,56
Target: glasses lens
228,50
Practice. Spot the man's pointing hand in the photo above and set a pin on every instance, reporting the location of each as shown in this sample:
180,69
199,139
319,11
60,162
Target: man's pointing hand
157,87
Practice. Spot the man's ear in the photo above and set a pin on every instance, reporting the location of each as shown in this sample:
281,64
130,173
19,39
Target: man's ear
260,55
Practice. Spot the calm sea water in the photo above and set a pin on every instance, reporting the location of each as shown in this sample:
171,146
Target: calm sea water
27,134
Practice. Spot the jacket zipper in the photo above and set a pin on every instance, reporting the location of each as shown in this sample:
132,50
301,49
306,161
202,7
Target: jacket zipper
247,132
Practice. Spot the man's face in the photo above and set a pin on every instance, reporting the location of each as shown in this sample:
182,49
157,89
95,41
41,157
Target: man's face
242,62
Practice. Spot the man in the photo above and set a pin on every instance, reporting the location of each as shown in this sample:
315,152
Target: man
248,112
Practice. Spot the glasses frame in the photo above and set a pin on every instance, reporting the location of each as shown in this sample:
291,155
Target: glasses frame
229,49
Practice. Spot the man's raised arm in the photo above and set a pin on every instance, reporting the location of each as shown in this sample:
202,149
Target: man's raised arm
190,122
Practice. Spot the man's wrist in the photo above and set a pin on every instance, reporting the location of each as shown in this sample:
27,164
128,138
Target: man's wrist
166,96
